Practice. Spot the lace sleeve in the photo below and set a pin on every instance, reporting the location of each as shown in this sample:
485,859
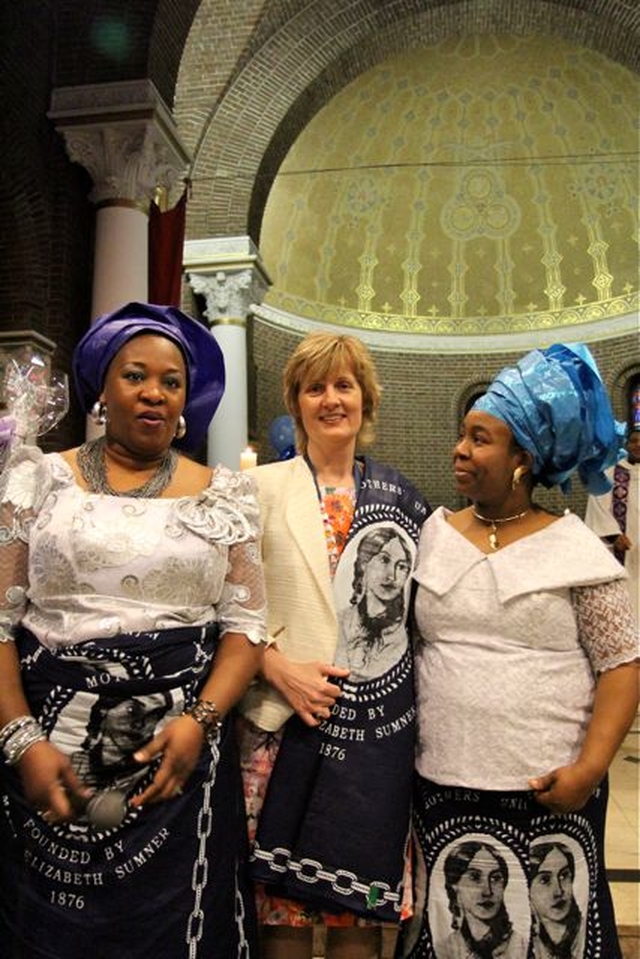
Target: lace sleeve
605,624
24,484
14,555
242,605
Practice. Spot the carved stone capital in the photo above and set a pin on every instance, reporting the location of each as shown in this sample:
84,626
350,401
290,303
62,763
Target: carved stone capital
124,136
228,273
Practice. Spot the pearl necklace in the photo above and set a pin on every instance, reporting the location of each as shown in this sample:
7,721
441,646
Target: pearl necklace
493,524
91,463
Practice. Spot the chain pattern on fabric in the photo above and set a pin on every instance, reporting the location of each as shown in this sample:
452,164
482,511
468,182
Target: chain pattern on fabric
243,945
345,883
200,870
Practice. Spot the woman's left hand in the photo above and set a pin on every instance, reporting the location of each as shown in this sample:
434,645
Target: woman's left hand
179,744
566,789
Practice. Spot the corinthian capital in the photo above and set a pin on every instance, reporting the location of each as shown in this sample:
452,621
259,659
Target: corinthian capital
228,273
123,135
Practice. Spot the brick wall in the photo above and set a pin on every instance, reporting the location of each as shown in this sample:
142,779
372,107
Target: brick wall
47,222
249,69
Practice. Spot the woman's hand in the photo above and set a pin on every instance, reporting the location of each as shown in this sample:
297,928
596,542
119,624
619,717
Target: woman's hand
305,686
622,543
614,706
179,744
566,789
50,784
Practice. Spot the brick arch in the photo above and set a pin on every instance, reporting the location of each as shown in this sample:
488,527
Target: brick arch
295,64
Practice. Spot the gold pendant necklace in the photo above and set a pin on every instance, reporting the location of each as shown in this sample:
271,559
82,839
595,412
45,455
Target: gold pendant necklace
493,525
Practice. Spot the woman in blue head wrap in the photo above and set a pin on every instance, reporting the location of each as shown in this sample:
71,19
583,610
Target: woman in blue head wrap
131,620
526,658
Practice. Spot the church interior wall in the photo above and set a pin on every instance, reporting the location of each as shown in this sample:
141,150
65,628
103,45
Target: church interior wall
47,242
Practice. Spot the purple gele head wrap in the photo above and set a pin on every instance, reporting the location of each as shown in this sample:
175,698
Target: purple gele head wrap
203,358
556,406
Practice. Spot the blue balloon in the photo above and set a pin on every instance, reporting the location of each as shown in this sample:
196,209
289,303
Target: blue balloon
282,436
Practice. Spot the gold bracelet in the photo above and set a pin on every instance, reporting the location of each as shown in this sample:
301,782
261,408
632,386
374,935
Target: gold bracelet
205,712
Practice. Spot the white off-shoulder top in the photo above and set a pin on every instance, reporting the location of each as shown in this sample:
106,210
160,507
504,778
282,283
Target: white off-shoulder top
508,648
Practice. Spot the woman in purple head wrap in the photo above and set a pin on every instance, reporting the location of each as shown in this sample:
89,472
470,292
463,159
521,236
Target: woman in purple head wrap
132,618
527,672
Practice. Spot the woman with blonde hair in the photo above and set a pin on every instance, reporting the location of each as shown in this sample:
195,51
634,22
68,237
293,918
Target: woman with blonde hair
332,755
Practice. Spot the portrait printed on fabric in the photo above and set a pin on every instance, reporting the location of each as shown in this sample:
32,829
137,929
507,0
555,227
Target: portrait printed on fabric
101,734
372,596
478,900
559,893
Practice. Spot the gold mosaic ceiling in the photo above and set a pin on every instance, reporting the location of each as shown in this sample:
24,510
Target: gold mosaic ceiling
484,184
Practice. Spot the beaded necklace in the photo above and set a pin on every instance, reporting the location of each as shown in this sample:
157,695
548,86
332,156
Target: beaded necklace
92,465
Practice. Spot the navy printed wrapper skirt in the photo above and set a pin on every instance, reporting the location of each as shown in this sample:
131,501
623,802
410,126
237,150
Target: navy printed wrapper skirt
170,882
334,829
520,840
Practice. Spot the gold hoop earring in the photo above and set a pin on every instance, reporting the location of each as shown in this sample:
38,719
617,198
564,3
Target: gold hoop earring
518,473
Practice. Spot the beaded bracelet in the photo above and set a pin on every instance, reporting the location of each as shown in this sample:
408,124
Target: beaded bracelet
205,712
13,726
19,735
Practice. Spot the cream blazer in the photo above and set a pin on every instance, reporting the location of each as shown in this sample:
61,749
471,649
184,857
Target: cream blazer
301,616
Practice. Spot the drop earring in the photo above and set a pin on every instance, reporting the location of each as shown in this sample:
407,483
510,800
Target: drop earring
99,413
518,473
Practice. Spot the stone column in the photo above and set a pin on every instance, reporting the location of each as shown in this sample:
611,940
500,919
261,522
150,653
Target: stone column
227,272
124,135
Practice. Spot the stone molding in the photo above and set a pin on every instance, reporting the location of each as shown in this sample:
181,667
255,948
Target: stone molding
614,327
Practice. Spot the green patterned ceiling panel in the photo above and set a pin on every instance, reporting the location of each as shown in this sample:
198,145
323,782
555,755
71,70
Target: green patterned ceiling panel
485,184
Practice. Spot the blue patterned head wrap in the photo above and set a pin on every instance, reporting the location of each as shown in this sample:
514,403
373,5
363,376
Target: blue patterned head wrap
556,405
203,358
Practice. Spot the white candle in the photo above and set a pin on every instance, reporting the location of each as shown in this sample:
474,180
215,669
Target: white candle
248,458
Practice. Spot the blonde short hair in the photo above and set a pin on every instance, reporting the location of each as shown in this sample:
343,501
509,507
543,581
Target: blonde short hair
321,354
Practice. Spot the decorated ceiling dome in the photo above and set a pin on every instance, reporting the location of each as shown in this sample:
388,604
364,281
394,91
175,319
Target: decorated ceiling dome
482,185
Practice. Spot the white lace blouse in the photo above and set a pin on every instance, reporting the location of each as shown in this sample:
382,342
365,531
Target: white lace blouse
508,648
77,565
